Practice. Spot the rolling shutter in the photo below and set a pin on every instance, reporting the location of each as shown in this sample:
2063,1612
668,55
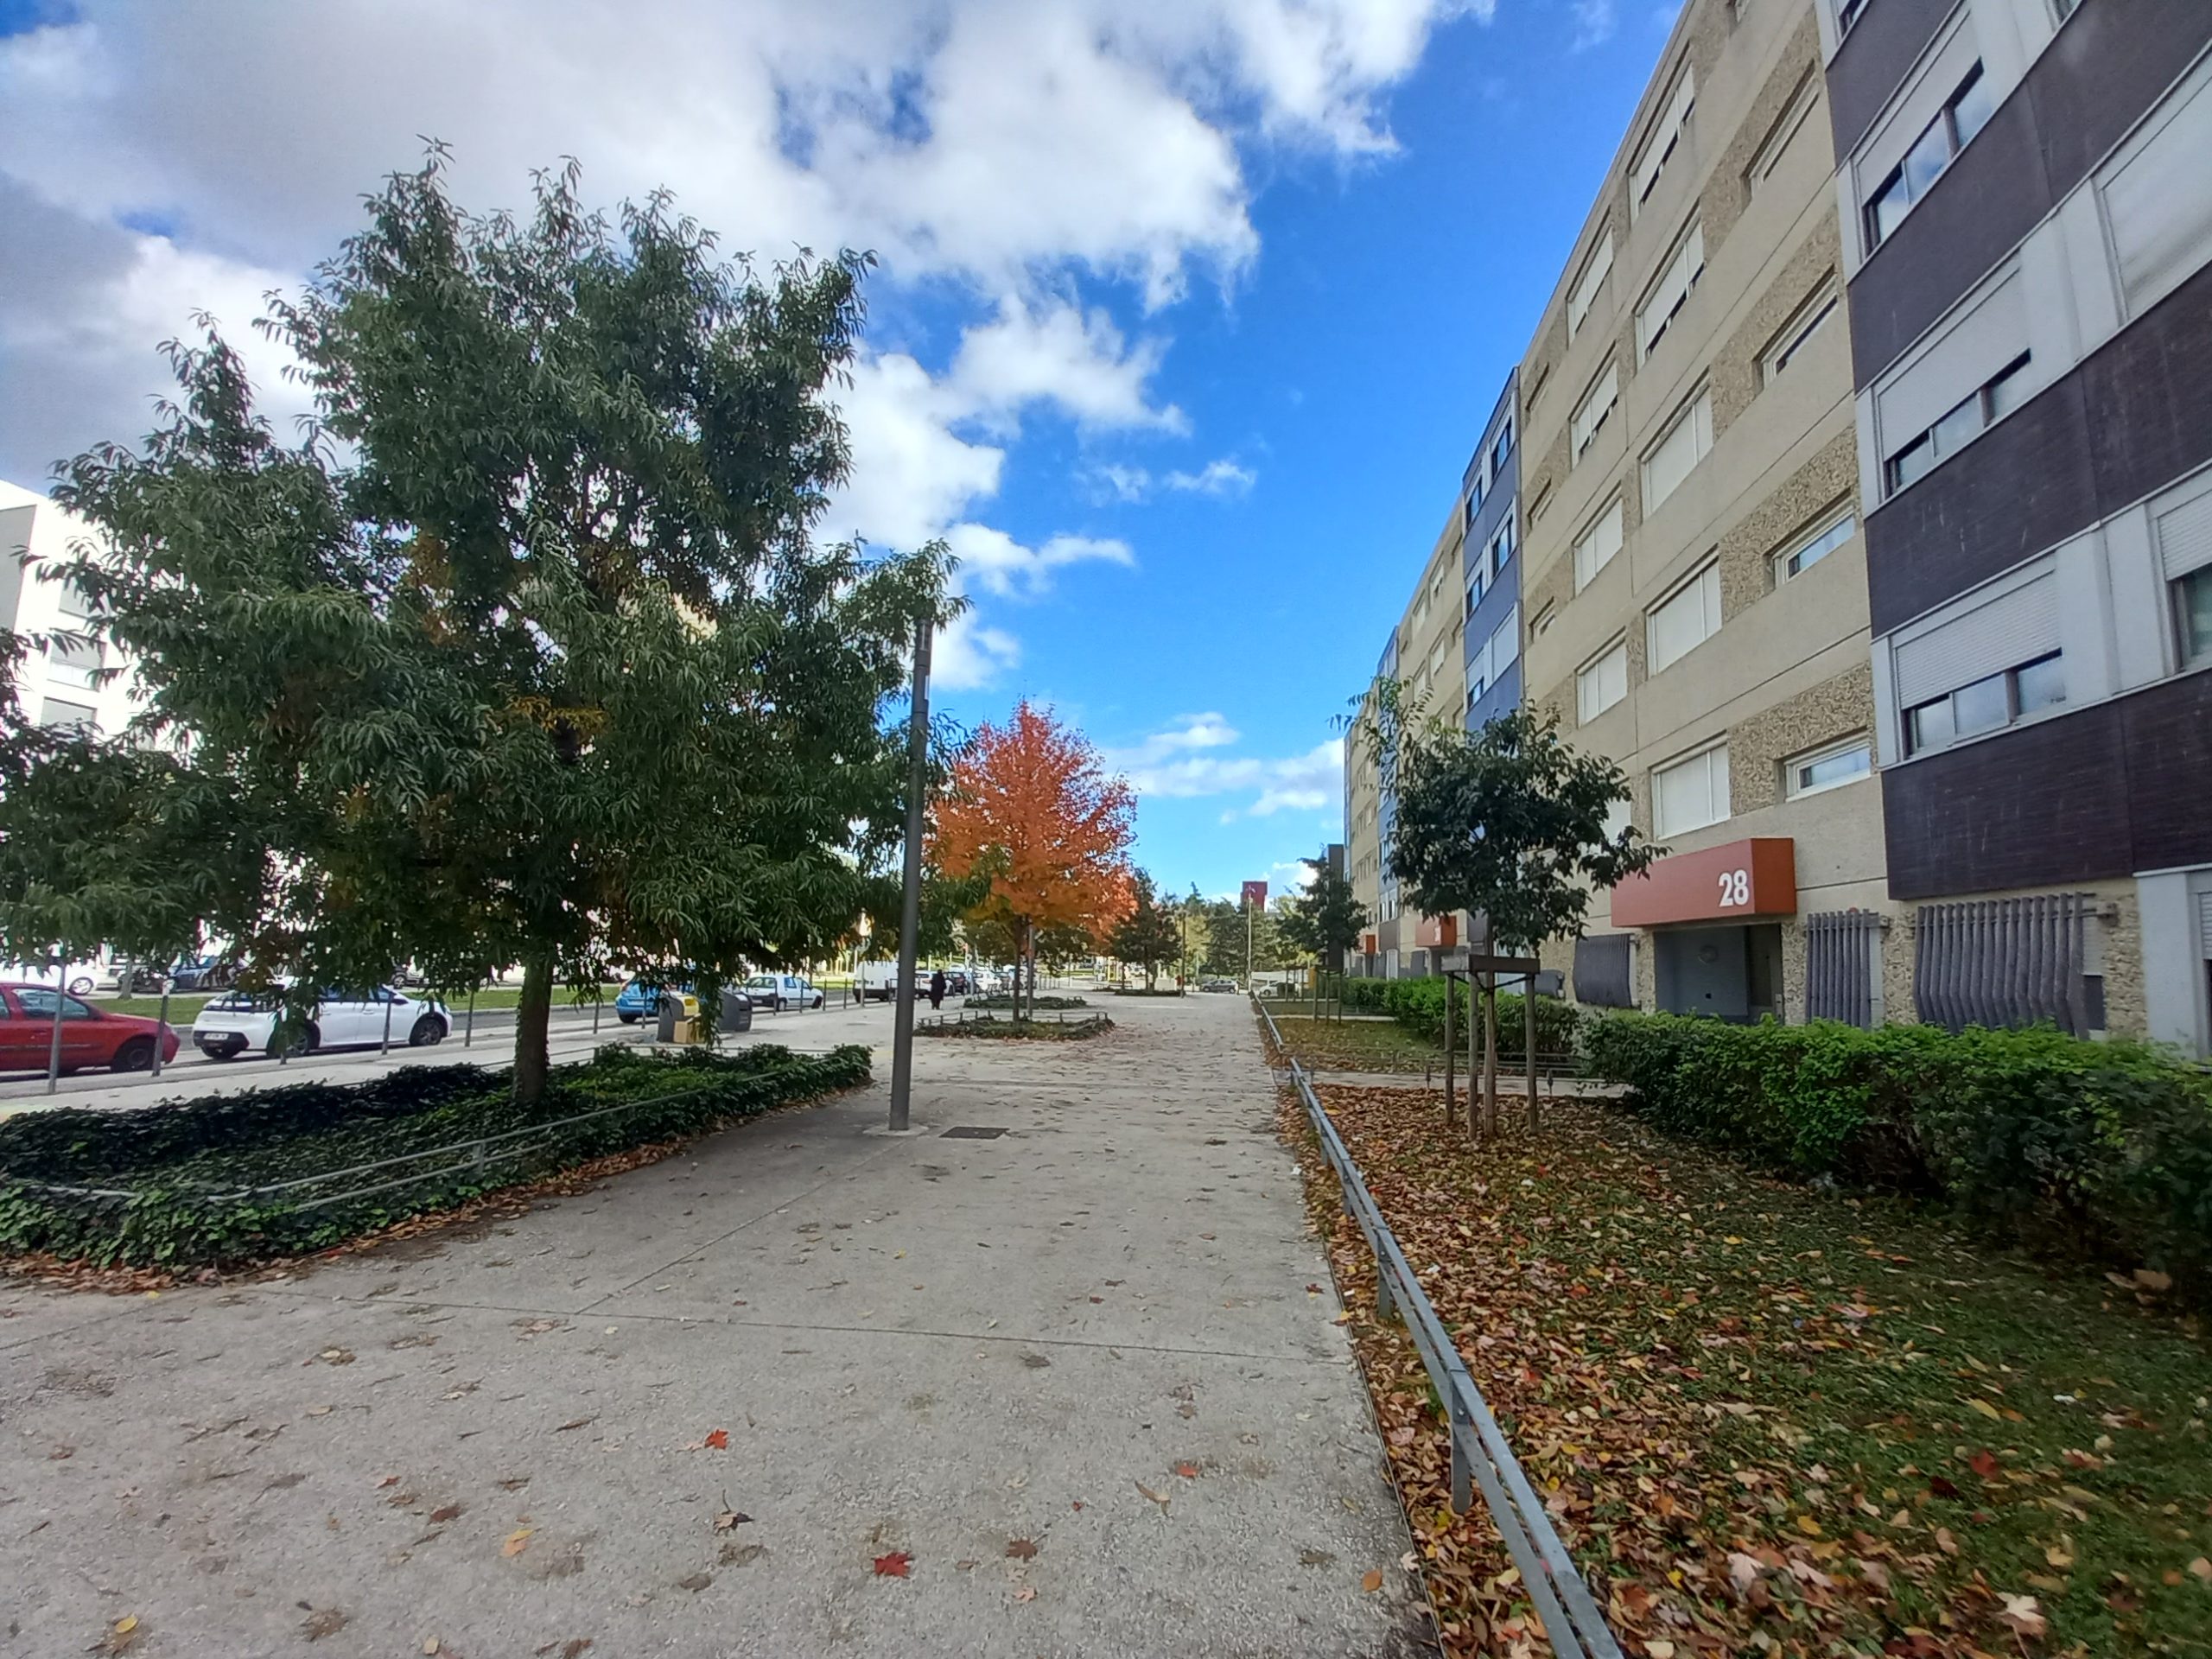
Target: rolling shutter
2017,627
2185,537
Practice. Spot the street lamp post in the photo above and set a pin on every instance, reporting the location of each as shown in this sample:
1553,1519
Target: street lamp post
910,904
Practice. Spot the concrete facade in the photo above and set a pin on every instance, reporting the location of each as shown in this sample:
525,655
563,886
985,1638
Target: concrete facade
64,683
1695,577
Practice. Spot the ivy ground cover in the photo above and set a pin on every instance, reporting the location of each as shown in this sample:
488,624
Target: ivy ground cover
1773,1420
240,1177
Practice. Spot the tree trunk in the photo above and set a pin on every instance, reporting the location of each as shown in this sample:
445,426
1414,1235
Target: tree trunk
1489,1054
532,1013
1528,1029
1451,1048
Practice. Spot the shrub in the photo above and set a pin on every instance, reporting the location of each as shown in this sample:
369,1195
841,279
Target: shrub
239,1176
2104,1148
1046,1004
1418,1005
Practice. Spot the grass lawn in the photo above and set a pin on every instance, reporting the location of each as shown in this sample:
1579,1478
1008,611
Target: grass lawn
1773,1420
1357,1045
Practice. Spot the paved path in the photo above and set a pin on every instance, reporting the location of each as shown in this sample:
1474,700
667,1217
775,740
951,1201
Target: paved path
923,1345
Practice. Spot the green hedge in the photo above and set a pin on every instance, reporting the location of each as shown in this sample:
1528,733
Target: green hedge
1047,1004
190,1182
2104,1149
1418,1005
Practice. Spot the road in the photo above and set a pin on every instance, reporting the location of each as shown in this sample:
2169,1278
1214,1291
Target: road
572,1036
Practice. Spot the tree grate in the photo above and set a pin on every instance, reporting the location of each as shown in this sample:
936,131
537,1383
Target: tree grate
972,1132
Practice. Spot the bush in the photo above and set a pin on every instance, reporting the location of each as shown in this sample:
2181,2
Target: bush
239,1176
1418,1005
2104,1148
1041,1031
1044,1004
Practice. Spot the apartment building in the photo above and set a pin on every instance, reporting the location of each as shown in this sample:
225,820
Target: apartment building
1694,565
2025,196
1426,655
63,685
1490,498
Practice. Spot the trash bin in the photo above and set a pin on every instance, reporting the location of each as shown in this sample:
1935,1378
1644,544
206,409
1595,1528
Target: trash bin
737,1012
672,1011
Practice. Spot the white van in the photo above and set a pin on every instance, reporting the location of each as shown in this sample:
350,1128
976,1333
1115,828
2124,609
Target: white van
877,981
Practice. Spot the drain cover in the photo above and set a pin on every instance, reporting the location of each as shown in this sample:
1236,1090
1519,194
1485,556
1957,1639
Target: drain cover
972,1132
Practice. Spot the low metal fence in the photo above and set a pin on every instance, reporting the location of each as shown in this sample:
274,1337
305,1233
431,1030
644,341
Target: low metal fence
1480,1456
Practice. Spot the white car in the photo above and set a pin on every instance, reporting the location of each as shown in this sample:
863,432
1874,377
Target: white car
777,992
240,1021
78,978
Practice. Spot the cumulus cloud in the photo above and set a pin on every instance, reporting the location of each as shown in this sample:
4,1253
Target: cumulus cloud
1185,761
993,561
1023,163
1594,22
1222,477
1116,481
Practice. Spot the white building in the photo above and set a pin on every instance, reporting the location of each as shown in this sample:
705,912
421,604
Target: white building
63,684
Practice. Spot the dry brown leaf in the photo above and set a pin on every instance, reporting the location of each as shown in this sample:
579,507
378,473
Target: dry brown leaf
518,1541
1371,1580
1021,1549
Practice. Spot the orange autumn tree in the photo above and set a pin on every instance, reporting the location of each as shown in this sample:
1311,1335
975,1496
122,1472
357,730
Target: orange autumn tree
1031,801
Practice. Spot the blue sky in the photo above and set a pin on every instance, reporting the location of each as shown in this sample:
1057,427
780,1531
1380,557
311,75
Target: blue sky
1187,318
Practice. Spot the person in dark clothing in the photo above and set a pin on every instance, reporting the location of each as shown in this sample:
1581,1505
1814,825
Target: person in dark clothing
936,988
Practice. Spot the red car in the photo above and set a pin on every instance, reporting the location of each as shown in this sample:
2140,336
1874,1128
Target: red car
90,1035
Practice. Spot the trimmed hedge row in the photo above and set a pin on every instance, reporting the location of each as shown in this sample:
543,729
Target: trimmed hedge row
2104,1148
1418,1005
191,1183
1047,1004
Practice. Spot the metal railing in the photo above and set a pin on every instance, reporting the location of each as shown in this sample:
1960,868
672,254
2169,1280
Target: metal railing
1480,1455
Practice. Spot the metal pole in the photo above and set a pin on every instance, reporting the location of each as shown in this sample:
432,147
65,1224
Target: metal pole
54,1046
386,1050
161,1023
1248,947
1529,1037
1451,1097
910,903
469,1035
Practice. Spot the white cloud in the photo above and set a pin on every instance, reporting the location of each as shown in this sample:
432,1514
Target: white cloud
969,655
1222,477
1594,24
1184,761
1001,565
1062,356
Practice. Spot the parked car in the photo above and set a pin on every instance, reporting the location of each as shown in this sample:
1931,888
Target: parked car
78,978
878,980
639,1001
201,974
956,981
1218,983
233,1023
90,1034
777,992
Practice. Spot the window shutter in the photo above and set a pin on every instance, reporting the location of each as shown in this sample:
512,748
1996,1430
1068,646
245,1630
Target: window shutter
1596,548
1586,288
2185,537
2017,628
1957,366
2204,925
2160,205
1678,453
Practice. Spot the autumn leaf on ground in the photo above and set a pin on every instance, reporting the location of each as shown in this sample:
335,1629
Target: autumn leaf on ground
120,1636
574,1423
1028,1592
2021,1614
1021,1549
897,1565
518,1541
445,1512
1188,1470
1372,1581
717,1441
730,1520
1160,1498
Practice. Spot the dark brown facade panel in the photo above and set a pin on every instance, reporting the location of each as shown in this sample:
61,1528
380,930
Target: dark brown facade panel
2168,744
2150,394
1874,57
2042,805
2025,484
2110,63
2130,419
2113,790
1988,200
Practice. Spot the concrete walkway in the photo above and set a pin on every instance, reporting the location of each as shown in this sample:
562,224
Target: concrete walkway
1104,1333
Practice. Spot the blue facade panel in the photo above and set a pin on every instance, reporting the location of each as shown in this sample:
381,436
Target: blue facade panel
1490,562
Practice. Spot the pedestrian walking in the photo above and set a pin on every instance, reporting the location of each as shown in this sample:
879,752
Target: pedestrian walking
937,989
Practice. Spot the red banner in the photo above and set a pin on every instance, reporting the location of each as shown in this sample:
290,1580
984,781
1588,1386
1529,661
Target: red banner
1256,895
1741,880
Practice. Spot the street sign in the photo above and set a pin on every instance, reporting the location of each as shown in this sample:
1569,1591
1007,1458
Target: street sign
1256,895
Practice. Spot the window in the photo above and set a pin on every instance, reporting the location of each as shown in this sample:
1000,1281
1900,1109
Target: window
1797,560
1541,505
2193,605
2183,532
1953,130
1994,701
1542,625
1595,546
1659,148
38,1004
1684,620
1501,450
1846,14
74,662
2158,202
1501,544
1597,404
1830,766
1477,584
1487,666
1787,126
2003,393
1584,295
1685,443
55,712
1691,793
74,602
1799,331
1671,291
1602,682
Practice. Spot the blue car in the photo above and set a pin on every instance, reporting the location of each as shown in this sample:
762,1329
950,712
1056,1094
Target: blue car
637,1000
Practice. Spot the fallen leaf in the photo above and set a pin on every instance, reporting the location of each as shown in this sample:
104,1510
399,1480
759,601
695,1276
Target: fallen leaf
2151,1279
430,1644
1021,1549
1371,1580
518,1541
1984,1465
897,1565
741,1555
577,1423
1742,1568
2023,1614
1028,1592
2202,1567
321,1622
389,1480
695,1582
1155,1497
1342,1319
730,1520
1188,1470
1987,1410
445,1512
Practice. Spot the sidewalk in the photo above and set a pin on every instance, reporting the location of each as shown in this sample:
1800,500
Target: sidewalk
1092,1334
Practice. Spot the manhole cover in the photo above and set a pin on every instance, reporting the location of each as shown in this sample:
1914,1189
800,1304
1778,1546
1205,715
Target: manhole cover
972,1132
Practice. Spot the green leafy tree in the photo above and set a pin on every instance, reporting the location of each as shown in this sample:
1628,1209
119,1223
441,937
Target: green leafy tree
1151,933
1509,823
1327,919
524,652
